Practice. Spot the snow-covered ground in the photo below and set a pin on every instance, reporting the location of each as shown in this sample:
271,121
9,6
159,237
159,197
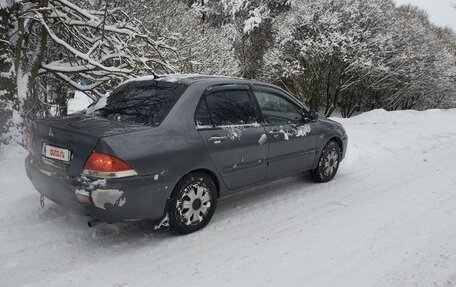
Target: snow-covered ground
387,219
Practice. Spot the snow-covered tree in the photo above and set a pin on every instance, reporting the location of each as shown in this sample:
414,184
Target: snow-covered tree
326,45
349,55
199,46
248,23
97,44
424,61
359,54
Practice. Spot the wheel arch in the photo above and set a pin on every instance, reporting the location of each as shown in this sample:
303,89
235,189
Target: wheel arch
206,171
334,138
338,140
211,174
203,170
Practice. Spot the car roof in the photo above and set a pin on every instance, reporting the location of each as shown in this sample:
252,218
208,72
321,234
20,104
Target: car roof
193,78
208,80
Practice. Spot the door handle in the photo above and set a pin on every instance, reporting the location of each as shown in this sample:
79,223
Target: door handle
275,133
216,139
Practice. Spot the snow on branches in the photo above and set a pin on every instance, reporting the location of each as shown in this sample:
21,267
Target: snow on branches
359,54
247,23
98,45
53,46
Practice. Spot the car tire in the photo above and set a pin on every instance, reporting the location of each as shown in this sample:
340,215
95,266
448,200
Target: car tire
193,203
328,163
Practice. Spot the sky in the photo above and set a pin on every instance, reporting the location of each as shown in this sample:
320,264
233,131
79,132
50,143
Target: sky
441,12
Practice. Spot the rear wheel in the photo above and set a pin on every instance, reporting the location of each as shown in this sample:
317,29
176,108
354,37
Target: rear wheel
193,203
328,164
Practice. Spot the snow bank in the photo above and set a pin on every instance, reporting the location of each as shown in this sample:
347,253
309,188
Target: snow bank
382,116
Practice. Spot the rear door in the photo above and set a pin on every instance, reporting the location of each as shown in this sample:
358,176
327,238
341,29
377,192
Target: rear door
227,120
292,142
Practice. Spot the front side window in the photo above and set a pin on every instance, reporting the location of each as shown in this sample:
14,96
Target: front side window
229,107
277,110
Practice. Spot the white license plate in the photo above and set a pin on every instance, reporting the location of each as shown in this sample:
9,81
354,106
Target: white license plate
57,153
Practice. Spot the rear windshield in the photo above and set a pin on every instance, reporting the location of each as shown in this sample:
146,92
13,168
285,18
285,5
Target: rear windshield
141,102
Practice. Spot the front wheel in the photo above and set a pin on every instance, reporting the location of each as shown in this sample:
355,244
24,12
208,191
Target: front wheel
193,203
328,163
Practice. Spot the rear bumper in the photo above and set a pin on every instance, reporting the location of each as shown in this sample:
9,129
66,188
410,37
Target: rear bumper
113,200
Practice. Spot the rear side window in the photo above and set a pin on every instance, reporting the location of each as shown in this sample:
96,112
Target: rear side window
202,116
142,102
230,107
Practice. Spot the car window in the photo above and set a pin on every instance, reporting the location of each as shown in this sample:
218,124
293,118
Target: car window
277,110
230,107
202,116
141,102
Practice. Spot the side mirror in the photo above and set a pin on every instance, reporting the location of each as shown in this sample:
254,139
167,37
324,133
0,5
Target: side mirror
310,116
313,116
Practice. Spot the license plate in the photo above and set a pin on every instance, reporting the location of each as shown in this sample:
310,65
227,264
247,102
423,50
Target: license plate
57,153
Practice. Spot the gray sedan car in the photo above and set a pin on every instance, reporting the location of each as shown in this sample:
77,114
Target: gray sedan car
167,148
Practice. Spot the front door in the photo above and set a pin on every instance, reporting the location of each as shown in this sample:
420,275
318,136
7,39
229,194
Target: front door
227,121
292,142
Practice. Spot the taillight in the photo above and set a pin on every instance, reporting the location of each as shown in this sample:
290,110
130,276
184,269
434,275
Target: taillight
106,166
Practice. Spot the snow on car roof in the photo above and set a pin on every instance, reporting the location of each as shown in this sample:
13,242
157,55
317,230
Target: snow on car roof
180,77
177,78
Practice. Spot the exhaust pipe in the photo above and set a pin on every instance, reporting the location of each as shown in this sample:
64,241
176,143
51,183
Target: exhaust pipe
93,222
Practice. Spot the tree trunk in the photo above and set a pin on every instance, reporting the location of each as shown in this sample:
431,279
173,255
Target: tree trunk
17,71
8,87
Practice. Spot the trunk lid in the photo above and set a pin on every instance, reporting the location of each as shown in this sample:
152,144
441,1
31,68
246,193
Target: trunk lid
79,134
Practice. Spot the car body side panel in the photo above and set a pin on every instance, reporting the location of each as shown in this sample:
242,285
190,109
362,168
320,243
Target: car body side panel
240,155
329,129
292,147
290,152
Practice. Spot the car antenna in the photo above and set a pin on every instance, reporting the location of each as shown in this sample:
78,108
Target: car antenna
155,75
